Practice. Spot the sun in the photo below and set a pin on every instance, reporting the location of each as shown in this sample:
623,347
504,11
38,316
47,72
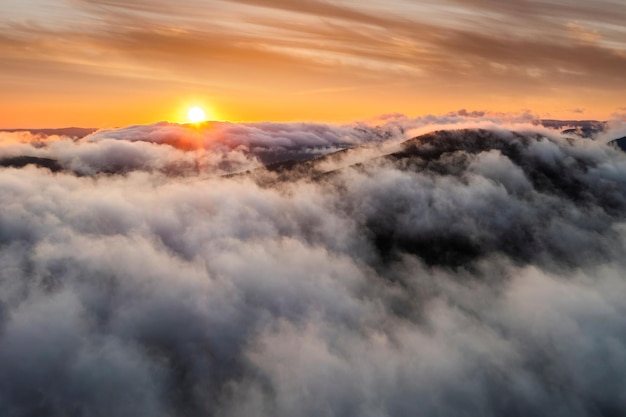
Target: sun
196,115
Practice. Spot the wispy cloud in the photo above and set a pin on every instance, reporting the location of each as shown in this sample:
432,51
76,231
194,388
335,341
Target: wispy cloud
279,48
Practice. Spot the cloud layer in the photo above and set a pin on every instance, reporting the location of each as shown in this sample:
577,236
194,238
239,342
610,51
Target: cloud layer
475,271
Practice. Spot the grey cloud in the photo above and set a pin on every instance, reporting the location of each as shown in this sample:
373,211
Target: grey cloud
214,148
220,147
469,271
461,364
475,113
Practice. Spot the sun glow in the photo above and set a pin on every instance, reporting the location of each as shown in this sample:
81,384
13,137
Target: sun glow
196,115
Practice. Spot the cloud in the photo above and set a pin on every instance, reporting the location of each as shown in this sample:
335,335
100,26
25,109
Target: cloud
583,34
272,48
475,270
213,148
475,113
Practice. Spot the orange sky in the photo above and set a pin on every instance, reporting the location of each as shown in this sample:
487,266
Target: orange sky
102,63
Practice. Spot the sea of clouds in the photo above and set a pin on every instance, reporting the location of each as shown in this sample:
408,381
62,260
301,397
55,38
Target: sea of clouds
161,271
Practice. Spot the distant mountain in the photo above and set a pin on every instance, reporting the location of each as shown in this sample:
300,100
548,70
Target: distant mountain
22,161
451,153
583,128
586,128
288,164
72,132
619,143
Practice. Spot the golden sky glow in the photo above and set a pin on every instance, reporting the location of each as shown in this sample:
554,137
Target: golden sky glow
114,62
